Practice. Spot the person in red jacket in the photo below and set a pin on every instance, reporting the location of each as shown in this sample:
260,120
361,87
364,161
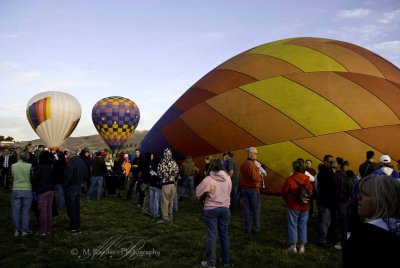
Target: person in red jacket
297,213
250,185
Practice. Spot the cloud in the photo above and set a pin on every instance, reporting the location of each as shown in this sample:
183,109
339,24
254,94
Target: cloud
389,50
353,14
390,17
392,47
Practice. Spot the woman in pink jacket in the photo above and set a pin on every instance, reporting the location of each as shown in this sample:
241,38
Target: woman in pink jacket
215,192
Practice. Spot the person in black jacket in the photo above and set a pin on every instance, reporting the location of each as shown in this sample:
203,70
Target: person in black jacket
368,166
326,202
43,185
99,172
376,242
75,174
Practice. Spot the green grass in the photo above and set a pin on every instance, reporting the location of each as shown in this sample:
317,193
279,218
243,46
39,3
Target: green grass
180,244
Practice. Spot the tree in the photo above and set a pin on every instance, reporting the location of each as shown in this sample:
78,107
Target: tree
9,138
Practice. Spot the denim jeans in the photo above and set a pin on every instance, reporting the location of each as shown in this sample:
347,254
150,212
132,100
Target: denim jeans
297,226
326,230
342,210
132,183
59,189
234,196
251,203
217,221
93,182
155,199
188,182
21,201
72,202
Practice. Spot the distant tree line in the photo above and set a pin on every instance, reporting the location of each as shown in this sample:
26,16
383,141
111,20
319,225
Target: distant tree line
2,138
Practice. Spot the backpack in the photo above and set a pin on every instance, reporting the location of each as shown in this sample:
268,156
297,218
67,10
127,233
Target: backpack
303,196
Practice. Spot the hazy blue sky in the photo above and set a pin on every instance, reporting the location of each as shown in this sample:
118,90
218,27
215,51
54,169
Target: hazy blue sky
153,51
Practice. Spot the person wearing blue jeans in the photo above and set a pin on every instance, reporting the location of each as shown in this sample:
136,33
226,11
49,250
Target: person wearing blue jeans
217,222
155,199
96,181
59,189
188,182
21,200
215,192
250,184
187,171
21,196
99,171
251,203
297,209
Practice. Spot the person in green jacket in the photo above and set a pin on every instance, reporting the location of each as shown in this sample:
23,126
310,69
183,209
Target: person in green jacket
21,196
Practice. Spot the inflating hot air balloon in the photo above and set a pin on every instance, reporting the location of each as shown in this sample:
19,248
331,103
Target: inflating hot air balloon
299,97
53,115
115,118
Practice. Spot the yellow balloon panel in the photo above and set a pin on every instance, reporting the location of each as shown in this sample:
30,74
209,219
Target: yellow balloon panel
304,58
310,110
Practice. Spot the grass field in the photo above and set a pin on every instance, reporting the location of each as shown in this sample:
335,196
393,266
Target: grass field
114,226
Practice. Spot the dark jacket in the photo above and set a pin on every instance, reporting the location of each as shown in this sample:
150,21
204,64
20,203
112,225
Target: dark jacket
43,180
344,186
326,188
75,173
59,164
371,246
99,168
366,168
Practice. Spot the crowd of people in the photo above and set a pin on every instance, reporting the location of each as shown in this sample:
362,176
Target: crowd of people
370,203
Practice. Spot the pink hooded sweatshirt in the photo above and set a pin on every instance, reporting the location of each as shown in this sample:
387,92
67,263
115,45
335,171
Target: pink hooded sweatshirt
218,187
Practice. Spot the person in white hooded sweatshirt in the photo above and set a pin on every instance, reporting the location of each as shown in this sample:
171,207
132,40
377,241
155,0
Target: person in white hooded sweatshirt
215,192
385,167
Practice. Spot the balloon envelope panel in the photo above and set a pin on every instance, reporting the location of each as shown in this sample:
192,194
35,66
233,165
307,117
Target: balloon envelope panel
53,115
299,97
115,118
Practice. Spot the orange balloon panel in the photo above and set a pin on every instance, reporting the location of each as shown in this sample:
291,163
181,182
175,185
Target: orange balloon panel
298,97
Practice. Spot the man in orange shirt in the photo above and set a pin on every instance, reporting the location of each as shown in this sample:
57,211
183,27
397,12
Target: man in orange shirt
250,184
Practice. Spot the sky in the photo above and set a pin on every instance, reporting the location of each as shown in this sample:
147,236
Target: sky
152,51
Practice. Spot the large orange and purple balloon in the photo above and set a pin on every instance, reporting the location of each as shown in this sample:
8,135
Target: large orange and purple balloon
299,97
115,118
53,115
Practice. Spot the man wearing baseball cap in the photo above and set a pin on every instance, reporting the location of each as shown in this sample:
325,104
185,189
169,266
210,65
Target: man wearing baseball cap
385,167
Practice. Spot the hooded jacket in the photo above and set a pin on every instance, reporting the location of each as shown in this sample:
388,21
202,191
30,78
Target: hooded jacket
167,169
387,171
217,187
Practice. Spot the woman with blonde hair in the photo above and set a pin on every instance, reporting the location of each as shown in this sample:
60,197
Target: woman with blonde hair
377,240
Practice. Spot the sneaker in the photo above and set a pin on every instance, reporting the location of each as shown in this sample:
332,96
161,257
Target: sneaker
302,249
204,264
24,233
292,249
338,246
16,233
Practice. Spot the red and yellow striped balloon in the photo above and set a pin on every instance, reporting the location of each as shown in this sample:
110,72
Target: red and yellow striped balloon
299,97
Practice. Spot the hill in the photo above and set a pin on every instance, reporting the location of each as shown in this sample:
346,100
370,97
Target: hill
95,142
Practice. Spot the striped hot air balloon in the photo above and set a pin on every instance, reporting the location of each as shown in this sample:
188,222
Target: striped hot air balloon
53,115
299,97
115,118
